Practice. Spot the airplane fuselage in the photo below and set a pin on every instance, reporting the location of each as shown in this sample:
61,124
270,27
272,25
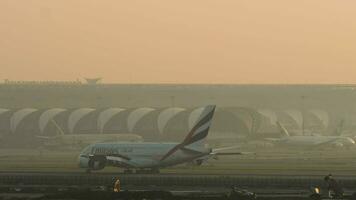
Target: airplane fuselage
141,155
315,140
152,156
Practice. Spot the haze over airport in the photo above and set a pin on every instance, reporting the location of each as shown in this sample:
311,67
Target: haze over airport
198,41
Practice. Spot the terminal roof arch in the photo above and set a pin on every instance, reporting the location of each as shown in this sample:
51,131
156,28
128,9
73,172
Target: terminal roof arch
296,115
322,115
18,116
106,116
270,114
135,116
167,115
76,116
47,116
248,117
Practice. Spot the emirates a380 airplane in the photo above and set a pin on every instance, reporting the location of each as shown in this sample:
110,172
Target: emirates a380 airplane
150,157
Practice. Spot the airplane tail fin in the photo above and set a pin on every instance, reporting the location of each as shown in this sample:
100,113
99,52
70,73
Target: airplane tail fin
198,133
339,128
284,131
201,129
60,130
58,133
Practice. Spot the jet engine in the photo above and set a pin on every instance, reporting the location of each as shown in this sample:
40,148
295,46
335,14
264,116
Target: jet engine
96,162
338,144
92,162
198,162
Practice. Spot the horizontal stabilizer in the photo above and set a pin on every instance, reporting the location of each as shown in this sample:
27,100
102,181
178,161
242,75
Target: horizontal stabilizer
225,151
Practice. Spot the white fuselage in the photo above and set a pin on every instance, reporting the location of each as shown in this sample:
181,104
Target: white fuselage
142,155
316,140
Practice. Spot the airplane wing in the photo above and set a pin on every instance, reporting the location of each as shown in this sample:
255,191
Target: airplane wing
272,139
47,138
226,151
226,148
217,152
116,160
44,137
120,161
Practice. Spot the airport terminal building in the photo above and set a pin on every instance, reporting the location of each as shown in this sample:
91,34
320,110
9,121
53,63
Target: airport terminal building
167,112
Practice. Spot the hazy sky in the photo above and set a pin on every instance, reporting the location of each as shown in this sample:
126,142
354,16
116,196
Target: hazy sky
179,41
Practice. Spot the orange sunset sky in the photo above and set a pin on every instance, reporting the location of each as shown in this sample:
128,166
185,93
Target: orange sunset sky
179,41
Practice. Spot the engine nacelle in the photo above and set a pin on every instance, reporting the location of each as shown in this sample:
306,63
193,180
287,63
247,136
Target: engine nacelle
338,144
196,162
92,162
97,162
199,162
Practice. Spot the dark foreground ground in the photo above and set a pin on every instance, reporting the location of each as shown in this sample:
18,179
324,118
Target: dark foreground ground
165,186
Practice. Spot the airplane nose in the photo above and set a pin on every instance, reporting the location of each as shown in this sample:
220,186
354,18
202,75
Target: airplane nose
352,141
83,161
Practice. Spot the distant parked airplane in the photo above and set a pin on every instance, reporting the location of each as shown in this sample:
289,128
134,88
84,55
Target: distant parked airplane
313,141
150,157
62,140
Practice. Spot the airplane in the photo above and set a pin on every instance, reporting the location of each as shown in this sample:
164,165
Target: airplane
313,141
341,131
81,140
150,157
